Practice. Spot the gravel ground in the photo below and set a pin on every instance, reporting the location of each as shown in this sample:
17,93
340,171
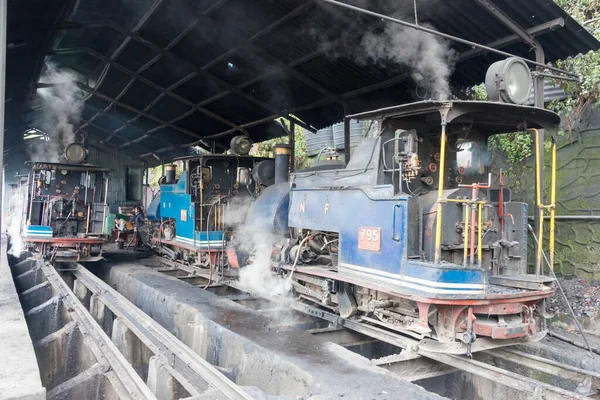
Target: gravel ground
583,295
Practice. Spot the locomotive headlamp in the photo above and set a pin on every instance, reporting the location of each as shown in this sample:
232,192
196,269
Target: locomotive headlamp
241,145
75,153
508,81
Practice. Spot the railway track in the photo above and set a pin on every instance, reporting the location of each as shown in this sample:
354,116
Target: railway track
174,363
122,376
578,383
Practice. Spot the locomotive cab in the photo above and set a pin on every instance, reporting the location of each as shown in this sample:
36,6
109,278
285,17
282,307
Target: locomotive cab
66,210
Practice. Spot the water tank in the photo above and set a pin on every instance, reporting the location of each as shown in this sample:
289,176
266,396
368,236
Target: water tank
317,141
358,130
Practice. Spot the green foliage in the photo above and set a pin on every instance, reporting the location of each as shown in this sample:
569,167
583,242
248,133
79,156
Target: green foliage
265,149
477,92
587,66
154,174
516,145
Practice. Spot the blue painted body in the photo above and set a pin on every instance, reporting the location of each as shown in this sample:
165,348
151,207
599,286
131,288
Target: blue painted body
347,210
175,202
38,231
341,210
270,211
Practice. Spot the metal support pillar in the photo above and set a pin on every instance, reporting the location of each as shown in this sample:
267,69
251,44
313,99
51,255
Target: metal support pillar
3,22
292,145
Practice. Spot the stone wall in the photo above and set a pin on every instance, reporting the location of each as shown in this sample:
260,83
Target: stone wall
578,193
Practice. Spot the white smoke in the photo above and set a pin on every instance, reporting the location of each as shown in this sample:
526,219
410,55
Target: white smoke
427,54
424,53
16,208
253,238
62,105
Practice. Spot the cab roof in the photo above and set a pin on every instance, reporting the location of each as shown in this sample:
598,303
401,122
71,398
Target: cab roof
485,117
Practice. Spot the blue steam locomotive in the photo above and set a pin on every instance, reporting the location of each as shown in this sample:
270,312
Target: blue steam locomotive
410,234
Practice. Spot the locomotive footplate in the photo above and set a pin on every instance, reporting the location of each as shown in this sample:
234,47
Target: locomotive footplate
495,293
530,282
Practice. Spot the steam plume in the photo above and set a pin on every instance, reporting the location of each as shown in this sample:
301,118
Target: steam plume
16,208
62,106
423,52
256,241
392,45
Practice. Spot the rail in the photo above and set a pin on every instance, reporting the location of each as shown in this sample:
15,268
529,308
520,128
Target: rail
190,369
464,363
102,346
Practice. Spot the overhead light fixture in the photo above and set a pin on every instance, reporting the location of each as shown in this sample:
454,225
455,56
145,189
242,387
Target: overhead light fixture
230,65
508,81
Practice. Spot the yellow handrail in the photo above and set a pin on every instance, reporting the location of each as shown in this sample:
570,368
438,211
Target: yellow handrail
539,167
438,227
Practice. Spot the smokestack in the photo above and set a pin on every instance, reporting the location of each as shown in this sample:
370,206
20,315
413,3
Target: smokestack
170,173
282,162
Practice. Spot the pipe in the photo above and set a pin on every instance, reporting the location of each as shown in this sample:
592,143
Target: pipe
564,78
479,235
282,162
292,135
540,206
466,233
501,204
444,35
438,227
346,140
105,204
87,221
87,182
552,203
574,217
473,227
201,208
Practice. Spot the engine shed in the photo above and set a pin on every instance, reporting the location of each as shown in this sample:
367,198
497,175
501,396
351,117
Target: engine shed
95,94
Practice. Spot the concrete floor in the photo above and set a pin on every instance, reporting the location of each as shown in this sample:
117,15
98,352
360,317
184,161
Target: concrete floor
19,372
268,350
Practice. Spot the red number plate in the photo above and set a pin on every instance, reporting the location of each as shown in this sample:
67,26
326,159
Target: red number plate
369,239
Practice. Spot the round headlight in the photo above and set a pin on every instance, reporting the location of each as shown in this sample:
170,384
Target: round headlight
508,81
75,153
241,145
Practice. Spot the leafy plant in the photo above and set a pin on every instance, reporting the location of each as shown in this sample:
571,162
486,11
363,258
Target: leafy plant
518,145
586,92
265,149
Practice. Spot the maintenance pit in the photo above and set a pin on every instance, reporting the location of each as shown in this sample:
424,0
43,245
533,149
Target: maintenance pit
262,347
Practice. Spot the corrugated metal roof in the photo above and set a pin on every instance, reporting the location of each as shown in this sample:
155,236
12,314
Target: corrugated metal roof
170,73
